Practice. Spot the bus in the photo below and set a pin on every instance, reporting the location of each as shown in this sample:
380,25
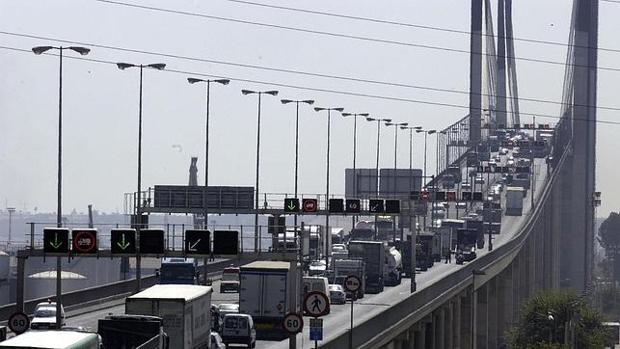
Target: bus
52,339
178,271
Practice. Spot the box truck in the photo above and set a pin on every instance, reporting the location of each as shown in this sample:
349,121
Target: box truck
266,289
514,201
185,310
373,255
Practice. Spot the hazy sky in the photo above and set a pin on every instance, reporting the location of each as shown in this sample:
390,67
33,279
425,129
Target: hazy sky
101,102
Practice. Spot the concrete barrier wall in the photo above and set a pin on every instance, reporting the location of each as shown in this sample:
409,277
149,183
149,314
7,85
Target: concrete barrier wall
98,293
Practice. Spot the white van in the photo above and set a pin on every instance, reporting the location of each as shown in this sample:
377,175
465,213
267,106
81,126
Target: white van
47,339
315,283
239,329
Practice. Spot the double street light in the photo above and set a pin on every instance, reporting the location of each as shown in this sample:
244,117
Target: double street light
355,116
138,220
260,94
37,51
327,230
205,202
204,193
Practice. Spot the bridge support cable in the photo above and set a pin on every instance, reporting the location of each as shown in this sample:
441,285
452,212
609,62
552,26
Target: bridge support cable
491,72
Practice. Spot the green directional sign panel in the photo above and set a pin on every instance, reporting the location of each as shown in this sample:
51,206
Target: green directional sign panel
123,241
197,242
55,240
151,241
291,205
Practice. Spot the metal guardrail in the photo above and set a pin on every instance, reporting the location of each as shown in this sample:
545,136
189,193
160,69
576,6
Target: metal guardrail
424,301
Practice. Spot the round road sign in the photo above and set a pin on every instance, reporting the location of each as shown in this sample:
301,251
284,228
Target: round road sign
293,323
85,241
316,304
19,322
352,283
310,205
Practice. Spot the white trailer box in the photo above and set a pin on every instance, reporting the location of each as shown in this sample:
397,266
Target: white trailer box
185,310
514,201
265,292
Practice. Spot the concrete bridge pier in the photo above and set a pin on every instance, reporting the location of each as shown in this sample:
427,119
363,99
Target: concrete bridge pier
481,313
465,320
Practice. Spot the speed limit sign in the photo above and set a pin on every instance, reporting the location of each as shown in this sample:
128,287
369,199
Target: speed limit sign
18,322
293,323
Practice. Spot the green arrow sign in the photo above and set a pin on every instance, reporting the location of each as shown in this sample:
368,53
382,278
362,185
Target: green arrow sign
291,205
55,240
123,241
123,244
56,244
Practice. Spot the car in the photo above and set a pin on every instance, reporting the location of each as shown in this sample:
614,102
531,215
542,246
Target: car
227,308
337,294
497,158
45,316
339,248
216,341
510,162
239,329
461,205
503,151
466,186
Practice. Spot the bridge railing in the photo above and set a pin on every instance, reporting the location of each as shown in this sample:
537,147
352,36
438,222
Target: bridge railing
400,317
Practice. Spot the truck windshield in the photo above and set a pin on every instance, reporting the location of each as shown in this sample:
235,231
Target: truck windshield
171,273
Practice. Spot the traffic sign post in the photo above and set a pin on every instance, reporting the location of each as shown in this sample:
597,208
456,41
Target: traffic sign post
19,322
336,206
56,240
353,206
197,242
291,205
316,331
123,241
84,241
293,323
352,284
310,205
151,241
316,304
225,242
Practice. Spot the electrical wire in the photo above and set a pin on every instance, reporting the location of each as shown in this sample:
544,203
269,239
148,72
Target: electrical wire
282,70
306,88
346,36
411,25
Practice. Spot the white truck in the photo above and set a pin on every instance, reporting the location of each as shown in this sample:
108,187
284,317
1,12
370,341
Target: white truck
514,201
54,339
185,310
266,291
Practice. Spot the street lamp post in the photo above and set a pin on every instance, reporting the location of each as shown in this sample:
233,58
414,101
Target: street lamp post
11,210
378,120
138,220
204,191
259,93
37,51
309,102
412,227
354,115
327,230
396,125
